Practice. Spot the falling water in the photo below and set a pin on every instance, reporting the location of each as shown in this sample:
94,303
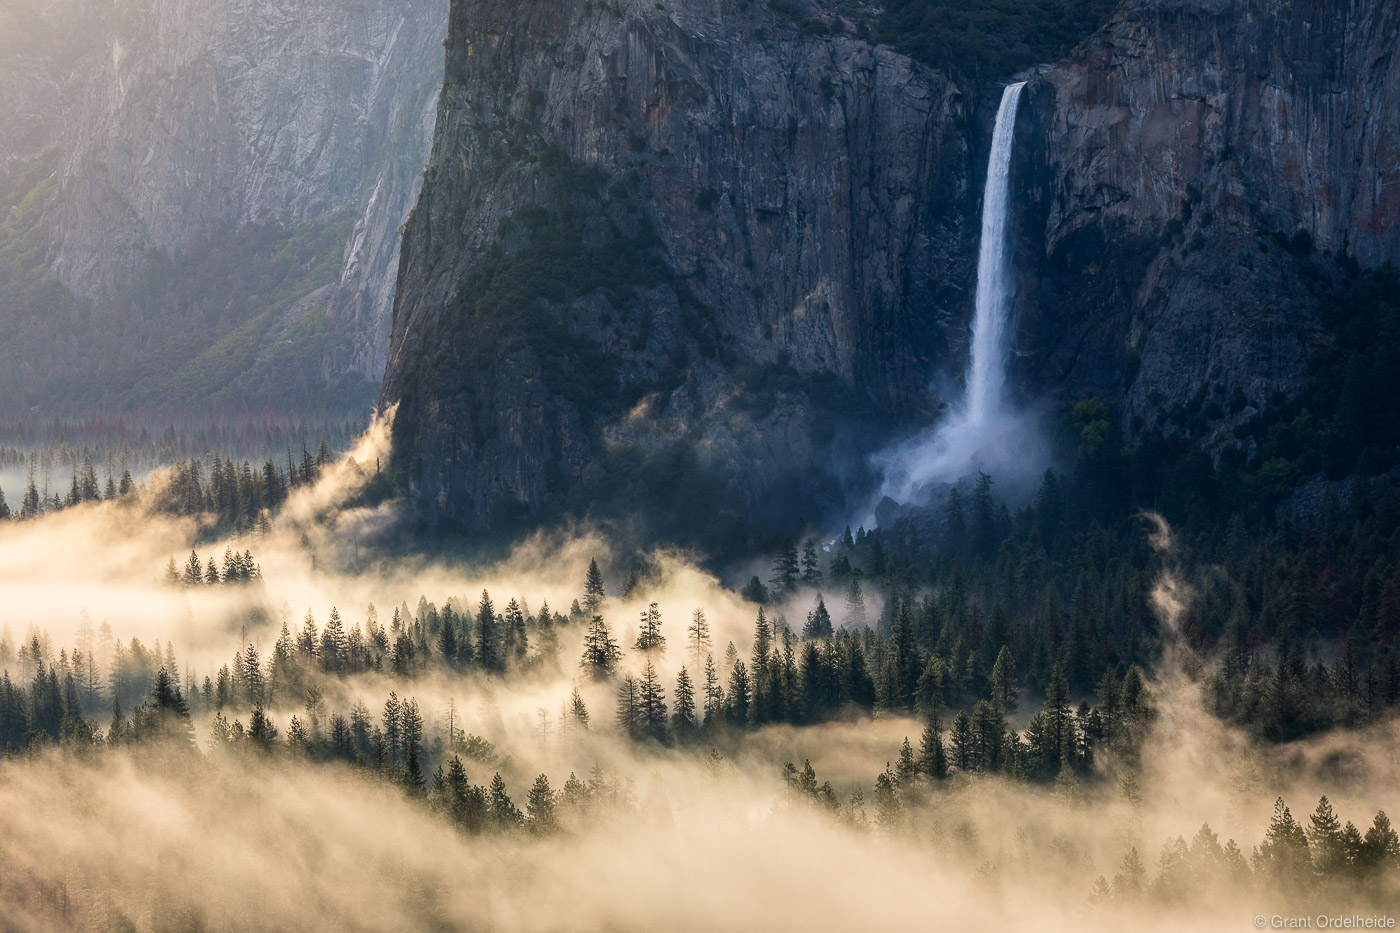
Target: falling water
981,433
987,373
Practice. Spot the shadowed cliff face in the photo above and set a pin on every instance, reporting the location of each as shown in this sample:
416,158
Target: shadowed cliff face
1198,169
668,240
681,232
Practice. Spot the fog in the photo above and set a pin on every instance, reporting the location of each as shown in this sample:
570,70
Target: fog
118,839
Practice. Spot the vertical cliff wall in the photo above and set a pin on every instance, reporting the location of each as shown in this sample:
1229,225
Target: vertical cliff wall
668,250
1199,173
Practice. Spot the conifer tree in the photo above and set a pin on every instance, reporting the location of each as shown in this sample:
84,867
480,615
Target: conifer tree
1005,685
737,710
504,813
1324,834
540,807
888,808
30,505
811,567
1380,849
333,643
628,715
194,574
593,594
714,693
905,767
818,621
261,734
488,648
964,745
578,712
698,638
933,758
683,718
600,652
651,706
786,569
1131,879
650,638
855,605
1283,856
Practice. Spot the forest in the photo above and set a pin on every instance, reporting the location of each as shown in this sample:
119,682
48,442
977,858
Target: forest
901,686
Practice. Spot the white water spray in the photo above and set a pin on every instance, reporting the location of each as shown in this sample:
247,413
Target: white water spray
981,433
987,373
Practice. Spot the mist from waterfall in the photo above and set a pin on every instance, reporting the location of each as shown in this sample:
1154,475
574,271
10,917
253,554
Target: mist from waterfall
982,432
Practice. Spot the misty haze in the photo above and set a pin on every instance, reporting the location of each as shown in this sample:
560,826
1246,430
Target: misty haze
629,465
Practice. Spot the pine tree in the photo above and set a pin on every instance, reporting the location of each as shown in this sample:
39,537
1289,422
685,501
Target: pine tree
30,506
651,706
714,693
578,713
740,693
1005,685
194,574
1324,834
628,716
1380,849
600,652
786,569
333,644
963,743
540,807
650,639
1128,884
698,638
261,734
447,642
905,652
933,759
503,812
488,648
855,606
1283,856
818,621
888,808
811,567
683,723
905,768
593,594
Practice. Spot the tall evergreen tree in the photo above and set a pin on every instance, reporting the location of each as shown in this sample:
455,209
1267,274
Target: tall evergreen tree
698,638
593,594
650,638
600,652
818,621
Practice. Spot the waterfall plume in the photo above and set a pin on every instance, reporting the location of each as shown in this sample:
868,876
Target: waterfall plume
981,432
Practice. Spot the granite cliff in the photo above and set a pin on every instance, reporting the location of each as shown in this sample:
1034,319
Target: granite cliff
700,258
1198,173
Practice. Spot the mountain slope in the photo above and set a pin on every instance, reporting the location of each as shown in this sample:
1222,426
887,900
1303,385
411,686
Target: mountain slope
152,140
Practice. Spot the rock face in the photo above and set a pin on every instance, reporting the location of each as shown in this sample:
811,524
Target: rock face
181,120
782,218
1198,171
682,230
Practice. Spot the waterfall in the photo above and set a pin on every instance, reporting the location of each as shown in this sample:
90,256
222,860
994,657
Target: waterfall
987,370
981,433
